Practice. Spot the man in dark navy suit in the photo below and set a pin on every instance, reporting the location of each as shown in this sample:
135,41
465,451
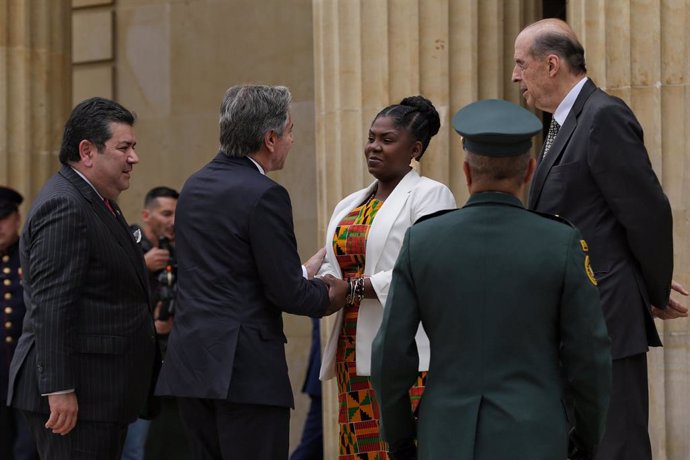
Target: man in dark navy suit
16,442
238,272
82,368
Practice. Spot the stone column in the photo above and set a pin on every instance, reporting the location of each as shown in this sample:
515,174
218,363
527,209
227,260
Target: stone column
638,50
35,88
371,53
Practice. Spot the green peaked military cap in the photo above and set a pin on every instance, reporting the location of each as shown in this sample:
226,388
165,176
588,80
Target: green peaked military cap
497,128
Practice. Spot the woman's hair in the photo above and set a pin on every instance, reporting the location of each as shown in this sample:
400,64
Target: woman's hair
417,115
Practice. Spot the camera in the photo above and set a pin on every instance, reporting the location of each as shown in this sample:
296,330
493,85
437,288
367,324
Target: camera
167,282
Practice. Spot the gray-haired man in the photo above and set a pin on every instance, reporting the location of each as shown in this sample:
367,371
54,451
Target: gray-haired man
238,272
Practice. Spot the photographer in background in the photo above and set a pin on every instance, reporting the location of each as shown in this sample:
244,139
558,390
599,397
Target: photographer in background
157,241
163,437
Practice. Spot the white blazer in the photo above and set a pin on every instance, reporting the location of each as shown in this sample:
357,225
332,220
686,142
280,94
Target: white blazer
411,199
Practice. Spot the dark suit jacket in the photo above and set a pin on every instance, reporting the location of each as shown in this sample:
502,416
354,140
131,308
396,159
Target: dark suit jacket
238,271
597,174
88,324
504,300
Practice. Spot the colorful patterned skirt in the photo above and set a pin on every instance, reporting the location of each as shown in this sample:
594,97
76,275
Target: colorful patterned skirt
359,414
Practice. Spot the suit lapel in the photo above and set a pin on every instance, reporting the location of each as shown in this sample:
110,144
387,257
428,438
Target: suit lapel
116,225
386,217
127,241
559,144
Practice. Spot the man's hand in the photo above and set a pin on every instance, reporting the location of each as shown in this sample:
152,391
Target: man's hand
314,263
674,309
163,327
63,413
337,291
156,259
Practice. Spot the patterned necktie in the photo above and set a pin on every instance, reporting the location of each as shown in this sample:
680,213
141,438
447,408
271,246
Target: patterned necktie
553,130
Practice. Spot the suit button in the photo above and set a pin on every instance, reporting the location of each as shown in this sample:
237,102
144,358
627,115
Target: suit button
6,282
5,258
8,310
8,325
8,295
9,339
6,270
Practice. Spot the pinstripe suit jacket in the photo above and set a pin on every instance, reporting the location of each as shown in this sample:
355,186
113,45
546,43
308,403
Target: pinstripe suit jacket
88,325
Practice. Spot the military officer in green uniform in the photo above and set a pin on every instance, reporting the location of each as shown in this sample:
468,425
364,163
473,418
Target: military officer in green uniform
16,442
511,309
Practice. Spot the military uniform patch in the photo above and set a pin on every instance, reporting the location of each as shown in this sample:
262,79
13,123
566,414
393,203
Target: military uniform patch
588,267
589,271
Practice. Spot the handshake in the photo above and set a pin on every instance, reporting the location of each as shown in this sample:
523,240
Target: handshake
337,288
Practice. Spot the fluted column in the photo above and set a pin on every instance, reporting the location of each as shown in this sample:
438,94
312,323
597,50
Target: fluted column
371,53
35,89
638,50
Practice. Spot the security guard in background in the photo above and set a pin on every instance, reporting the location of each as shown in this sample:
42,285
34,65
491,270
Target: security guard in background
510,306
16,442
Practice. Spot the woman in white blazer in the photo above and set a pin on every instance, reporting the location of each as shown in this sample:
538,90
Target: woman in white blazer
363,240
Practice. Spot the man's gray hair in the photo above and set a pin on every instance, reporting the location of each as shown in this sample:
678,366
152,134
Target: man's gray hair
247,113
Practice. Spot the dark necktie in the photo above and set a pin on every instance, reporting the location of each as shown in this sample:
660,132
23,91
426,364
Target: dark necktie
553,130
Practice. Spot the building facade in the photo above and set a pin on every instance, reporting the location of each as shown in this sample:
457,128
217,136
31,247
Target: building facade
171,61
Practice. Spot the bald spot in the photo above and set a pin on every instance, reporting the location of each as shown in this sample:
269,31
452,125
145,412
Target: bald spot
550,25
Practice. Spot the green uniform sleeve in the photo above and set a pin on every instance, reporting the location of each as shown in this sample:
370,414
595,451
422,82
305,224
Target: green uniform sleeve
394,355
585,351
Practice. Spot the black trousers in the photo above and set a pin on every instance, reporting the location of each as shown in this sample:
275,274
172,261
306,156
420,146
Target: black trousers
221,430
167,437
87,441
16,441
627,434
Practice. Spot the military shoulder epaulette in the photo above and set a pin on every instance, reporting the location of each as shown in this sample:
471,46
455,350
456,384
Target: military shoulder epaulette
555,217
432,215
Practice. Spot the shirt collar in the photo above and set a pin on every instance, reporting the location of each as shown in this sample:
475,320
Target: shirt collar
567,103
88,182
492,197
261,170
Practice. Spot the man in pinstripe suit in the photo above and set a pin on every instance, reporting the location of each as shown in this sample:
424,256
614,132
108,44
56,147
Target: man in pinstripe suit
82,367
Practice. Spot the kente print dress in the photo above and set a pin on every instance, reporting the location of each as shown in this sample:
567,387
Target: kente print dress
358,414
